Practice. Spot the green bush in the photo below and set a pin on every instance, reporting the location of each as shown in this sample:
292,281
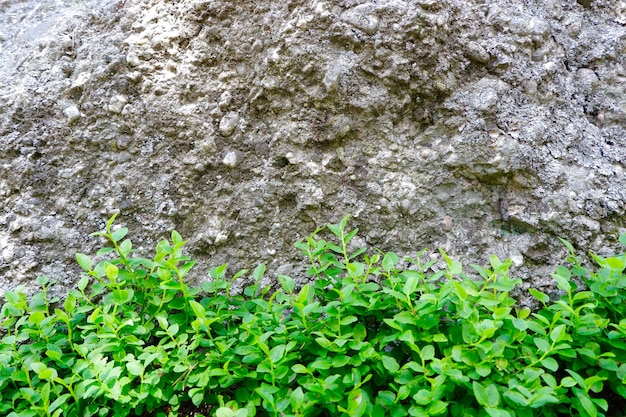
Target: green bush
363,338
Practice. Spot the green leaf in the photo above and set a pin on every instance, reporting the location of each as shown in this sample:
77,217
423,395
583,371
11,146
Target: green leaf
568,382
38,367
498,412
550,380
480,393
486,396
416,411
62,315
104,251
404,317
177,239
258,272
110,221
267,392
558,333
183,270
173,329
197,396
541,344
224,412
311,308
385,398
412,281
428,352
568,245
198,309
135,368
122,296
335,229
544,298
564,272
588,406
125,247
389,261
562,283
520,324
277,353
483,369
455,267
579,379
583,295
622,239
297,398
423,397
300,369
36,317
493,395
111,271
615,263
460,290
324,343
43,372
440,338
62,399
348,320
351,235
501,313
359,331
70,303
303,294
390,364
550,364
541,399
516,398
287,283
341,361
436,408
357,403
119,234
608,364
54,352
82,283
84,261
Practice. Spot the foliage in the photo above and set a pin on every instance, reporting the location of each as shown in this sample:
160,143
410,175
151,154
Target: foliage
363,338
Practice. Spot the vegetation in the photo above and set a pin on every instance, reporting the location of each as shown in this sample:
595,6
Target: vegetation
363,338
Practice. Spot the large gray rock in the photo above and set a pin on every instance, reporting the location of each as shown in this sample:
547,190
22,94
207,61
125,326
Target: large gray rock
477,126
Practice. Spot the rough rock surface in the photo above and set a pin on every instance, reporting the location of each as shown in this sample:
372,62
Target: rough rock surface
478,126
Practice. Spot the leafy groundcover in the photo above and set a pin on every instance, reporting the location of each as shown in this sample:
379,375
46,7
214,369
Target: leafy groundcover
363,338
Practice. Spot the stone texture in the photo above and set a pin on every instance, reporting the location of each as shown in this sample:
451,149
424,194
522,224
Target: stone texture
476,126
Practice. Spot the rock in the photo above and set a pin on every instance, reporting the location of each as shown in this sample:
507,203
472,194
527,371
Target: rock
362,17
72,113
117,103
228,124
232,159
132,59
527,25
587,77
481,127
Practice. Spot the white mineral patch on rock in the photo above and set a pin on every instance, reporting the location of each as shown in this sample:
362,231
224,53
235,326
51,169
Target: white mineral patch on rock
82,79
232,159
117,103
72,113
362,17
228,124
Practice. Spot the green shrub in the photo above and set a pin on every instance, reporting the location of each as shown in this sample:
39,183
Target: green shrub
363,338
